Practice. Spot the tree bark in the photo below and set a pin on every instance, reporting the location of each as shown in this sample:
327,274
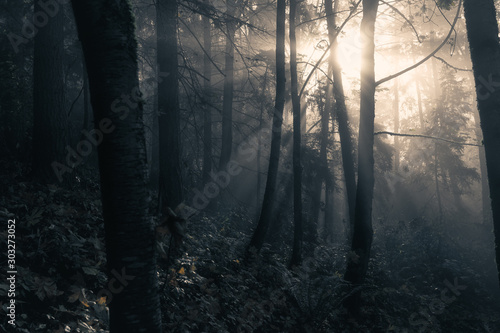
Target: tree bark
227,103
207,110
296,160
170,185
50,120
357,264
482,32
272,173
340,113
106,30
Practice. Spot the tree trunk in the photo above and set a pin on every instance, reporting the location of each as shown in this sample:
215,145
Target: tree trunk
207,110
436,180
341,113
297,167
395,107
170,185
50,120
86,98
106,30
227,104
357,264
482,32
485,191
272,173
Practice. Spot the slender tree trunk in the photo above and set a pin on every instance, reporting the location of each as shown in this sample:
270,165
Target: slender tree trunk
170,185
395,107
329,223
50,120
419,103
436,179
357,264
324,173
341,113
272,173
297,167
106,30
227,104
482,32
207,110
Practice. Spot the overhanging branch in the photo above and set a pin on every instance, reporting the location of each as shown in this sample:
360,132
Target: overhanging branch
428,137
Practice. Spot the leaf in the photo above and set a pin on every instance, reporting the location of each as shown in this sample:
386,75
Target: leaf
90,270
102,300
182,271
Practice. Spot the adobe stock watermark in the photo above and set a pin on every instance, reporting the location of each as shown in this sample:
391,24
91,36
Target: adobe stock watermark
423,318
115,285
93,138
50,8
486,87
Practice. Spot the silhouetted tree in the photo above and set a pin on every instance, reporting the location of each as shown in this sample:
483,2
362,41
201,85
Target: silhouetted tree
106,30
50,120
482,32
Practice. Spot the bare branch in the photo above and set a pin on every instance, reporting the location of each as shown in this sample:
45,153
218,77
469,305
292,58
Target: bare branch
428,137
390,77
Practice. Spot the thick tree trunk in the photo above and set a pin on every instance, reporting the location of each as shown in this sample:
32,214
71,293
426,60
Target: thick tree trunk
485,191
50,120
357,264
170,185
227,103
482,32
272,173
207,110
341,113
106,30
297,167
86,98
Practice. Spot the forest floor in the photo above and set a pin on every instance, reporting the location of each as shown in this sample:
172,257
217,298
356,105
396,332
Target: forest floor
206,287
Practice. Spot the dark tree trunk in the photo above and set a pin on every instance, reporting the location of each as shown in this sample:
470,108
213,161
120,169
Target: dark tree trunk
50,120
227,103
357,264
207,110
297,167
341,113
106,30
170,185
485,191
482,32
324,173
272,173
86,98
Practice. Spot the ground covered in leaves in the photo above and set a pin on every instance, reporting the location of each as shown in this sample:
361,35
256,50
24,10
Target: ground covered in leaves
415,284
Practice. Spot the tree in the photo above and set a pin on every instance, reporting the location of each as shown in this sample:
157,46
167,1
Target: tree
227,103
482,32
50,120
272,173
340,111
170,192
296,160
357,264
207,87
106,30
